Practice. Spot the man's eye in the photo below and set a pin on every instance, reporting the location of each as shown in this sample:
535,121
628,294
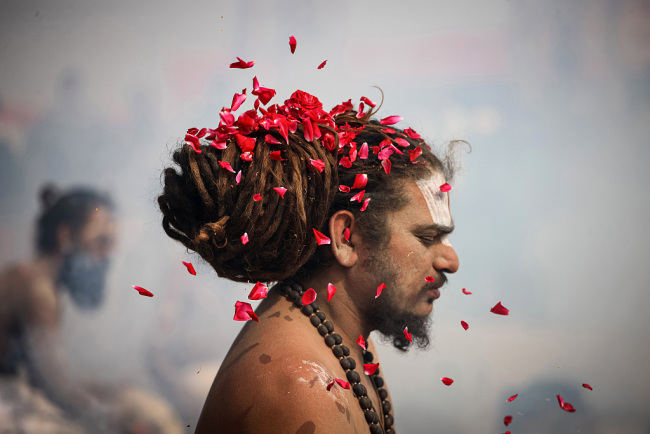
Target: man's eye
428,239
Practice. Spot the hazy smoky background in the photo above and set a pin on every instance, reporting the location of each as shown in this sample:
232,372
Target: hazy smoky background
551,208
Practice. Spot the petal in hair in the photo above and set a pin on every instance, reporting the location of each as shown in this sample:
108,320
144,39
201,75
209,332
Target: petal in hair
344,188
499,309
358,197
365,204
331,290
430,279
464,325
363,151
242,64
322,65
586,386
445,187
244,238
346,234
321,238
142,291
362,342
345,162
190,268
412,134
386,165
466,292
277,155
258,292
407,335
281,191
292,44
370,368
257,197
367,101
247,144
446,381
318,164
390,120
360,181
507,420
244,312
380,288
389,131
415,153
402,142
226,165
269,138
238,177
565,405
309,296
193,141
238,100
246,156
512,398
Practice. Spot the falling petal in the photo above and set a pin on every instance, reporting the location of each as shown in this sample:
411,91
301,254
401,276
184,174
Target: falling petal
190,268
318,164
390,120
358,197
292,44
464,325
344,188
238,177
360,181
269,138
142,291
415,153
346,234
370,368
446,381
309,296
445,187
499,309
386,165
466,292
238,100
380,288
365,204
244,238
407,335
331,290
277,155
362,342
242,64
244,312
322,64
257,197
363,151
258,292
586,386
281,191
512,398
565,405
430,279
321,238
507,420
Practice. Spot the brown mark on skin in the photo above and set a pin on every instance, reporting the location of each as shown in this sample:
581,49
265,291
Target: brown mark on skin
292,308
308,427
242,354
277,314
347,414
288,318
265,358
312,382
340,407
245,413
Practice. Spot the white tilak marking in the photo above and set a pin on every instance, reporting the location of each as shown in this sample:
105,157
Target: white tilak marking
437,201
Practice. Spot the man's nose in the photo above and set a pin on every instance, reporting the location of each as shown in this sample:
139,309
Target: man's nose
446,260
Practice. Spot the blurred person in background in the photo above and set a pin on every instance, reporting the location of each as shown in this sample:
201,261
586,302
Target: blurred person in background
75,237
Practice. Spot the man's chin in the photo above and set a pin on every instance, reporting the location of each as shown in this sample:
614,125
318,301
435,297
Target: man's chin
392,331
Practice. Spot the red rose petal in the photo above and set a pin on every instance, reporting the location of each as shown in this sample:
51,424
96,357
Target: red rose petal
346,234
464,324
412,134
244,238
358,197
257,197
318,164
238,177
322,64
226,165
390,120
361,342
445,187
269,138
238,100
345,162
466,292
402,142
292,44
565,405
380,288
512,398
244,312
407,335
277,155
331,290
242,64
507,420
370,368
363,151
415,153
389,131
586,386
365,204
190,268
386,165
367,101
446,381
246,156
309,296
360,181
499,309
321,238
343,384
430,279
247,144
142,291
344,188
258,292
281,191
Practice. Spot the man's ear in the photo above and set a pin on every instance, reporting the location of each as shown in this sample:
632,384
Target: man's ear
63,238
345,238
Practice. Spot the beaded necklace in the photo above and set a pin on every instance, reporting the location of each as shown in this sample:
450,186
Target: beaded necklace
293,292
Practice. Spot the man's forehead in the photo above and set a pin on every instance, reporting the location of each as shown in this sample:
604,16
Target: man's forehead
437,201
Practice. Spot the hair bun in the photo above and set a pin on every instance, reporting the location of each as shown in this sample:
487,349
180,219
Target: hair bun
50,194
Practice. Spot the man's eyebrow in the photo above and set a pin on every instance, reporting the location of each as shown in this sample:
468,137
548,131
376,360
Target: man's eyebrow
442,229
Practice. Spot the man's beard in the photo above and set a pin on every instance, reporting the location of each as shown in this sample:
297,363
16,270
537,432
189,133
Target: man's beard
386,315
84,275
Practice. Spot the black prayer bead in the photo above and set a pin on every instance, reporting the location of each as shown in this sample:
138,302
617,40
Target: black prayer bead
284,289
365,403
376,429
322,330
378,381
314,304
338,352
345,362
371,417
337,338
297,288
385,406
359,390
383,394
298,303
329,325
367,356
388,421
293,295
352,376
329,341
376,372
314,320
353,363
346,350
321,315
307,310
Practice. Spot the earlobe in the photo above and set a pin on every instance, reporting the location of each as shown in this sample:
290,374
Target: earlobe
343,238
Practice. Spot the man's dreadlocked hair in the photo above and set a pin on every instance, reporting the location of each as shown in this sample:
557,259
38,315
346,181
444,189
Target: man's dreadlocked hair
206,210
